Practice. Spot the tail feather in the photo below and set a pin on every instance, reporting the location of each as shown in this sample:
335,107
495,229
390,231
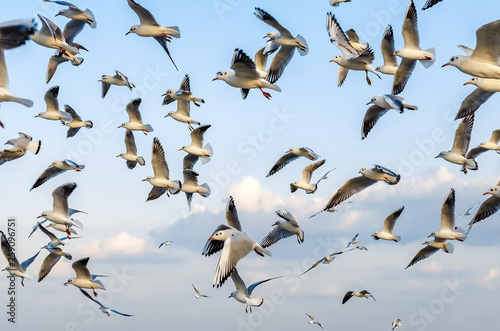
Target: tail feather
303,49
259,249
91,21
430,62
141,161
34,146
175,191
149,128
77,223
176,28
410,107
206,194
397,238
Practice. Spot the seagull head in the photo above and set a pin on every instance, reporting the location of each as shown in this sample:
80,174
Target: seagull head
221,75
104,78
432,234
362,170
122,125
70,281
473,81
39,115
441,154
336,59
220,235
170,113
169,92
183,148
454,61
493,191
44,214
132,30
148,179
378,68
232,295
396,53
61,12
271,36
372,101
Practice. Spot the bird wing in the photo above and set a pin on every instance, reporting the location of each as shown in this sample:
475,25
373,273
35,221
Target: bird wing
271,21
49,28
352,35
391,220
343,71
160,166
385,170
254,285
161,40
475,152
189,161
282,162
60,196
72,112
463,135
351,187
156,192
4,78
125,79
243,65
347,296
422,254
15,33
72,29
279,63
80,267
372,115
46,175
190,177
472,102
448,212
276,234
428,4
487,208
47,232
402,75
495,137
133,110
145,15
395,102
487,46
184,107
49,262
387,47
197,135
51,98
90,297
8,252
232,214
28,262
213,246
239,283
365,292
309,153
105,88
185,85
130,142
338,38
314,265
308,170
410,28
11,154
285,214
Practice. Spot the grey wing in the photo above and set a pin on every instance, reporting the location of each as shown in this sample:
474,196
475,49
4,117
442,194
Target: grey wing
235,248
122,314
133,110
51,97
72,132
367,56
487,208
28,262
184,107
130,142
15,33
495,137
105,88
167,100
342,75
160,166
351,187
463,135
163,43
185,85
60,196
422,254
145,15
125,79
47,265
352,35
308,170
402,75
72,112
313,266
197,135
156,192
310,153
8,252
285,214
213,246
48,28
54,62
232,214
47,232
90,297
472,102
46,175
254,285
395,102
487,47
467,50
391,220
243,65
274,236
244,93
337,36
475,152
347,296
448,212
410,28
11,154
282,162
72,29
239,283
190,177
279,63
80,267
189,161
429,3
373,114
271,21
387,47
384,170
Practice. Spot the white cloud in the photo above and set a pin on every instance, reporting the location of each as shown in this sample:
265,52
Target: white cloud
122,244
252,197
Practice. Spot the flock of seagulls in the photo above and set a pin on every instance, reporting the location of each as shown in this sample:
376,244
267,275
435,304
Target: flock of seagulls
246,73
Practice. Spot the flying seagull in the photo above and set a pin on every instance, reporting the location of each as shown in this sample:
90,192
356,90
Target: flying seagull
55,169
284,228
103,308
15,268
291,155
361,294
389,223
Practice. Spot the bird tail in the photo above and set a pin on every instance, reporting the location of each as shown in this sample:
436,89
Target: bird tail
302,45
206,159
141,161
25,102
34,146
396,238
175,191
293,188
91,21
91,125
429,62
258,249
475,166
206,194
149,127
273,87
410,107
398,178
315,187
77,223
176,28
199,100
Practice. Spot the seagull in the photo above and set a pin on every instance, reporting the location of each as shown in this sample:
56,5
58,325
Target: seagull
428,4
357,184
55,254
335,3
15,268
313,321
5,94
381,105
331,210
166,243
21,145
467,212
287,42
387,46
53,113
236,245
245,75
51,36
131,154
15,33
197,293
488,207
183,114
75,13
189,161
389,223
62,227
161,181
354,241
54,241
70,31
232,218
353,39
457,154
411,52
486,87
431,248
183,93
103,308
359,248
362,294
135,119
324,260
448,230
397,323
150,28
60,213
191,186
83,277
483,61
118,79
55,169
205,152
490,145
350,58
76,122
304,182
291,155
283,229
242,293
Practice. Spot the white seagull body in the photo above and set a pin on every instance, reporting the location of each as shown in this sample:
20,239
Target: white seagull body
305,181
291,155
76,122
131,155
284,228
448,231
57,168
183,114
135,119
75,13
190,186
118,79
360,294
52,112
390,221
83,277
20,146
205,152
15,268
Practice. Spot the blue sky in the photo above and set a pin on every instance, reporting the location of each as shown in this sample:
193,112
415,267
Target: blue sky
122,232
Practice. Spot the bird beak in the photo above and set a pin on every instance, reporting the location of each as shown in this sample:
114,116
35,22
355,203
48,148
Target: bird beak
467,83
211,238
164,94
369,103
436,156
444,65
486,193
429,235
393,54
166,116
118,156
100,80
144,180
331,60
39,216
180,149
216,78
127,33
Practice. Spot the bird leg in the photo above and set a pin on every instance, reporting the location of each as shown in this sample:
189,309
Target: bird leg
246,310
145,132
201,194
465,169
68,234
368,79
22,281
167,37
168,195
93,290
256,251
196,104
190,127
267,95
